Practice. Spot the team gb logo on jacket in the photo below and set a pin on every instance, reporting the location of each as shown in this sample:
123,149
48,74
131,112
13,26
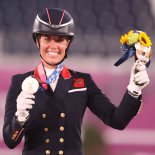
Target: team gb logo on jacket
78,83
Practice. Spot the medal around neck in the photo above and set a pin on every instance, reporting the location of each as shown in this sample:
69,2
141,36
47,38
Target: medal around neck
30,85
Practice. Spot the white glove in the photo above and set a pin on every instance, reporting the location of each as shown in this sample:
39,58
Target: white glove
138,79
24,103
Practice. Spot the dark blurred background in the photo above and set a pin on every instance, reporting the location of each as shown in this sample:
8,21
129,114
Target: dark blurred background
100,22
98,27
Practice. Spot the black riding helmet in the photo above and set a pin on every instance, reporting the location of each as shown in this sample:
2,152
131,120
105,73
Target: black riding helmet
53,21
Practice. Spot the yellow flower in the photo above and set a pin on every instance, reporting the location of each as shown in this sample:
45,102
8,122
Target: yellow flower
124,38
132,38
130,32
144,39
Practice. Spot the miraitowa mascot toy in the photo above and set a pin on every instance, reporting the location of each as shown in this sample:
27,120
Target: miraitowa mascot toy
136,43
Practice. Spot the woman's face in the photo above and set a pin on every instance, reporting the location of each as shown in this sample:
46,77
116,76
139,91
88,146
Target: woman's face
52,49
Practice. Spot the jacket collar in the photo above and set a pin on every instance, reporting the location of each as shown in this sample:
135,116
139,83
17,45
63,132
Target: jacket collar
66,73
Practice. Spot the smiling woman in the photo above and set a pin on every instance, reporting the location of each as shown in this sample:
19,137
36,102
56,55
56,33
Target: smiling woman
50,118
52,49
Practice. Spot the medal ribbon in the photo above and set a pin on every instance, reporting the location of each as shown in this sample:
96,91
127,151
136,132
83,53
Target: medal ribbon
129,52
55,73
40,75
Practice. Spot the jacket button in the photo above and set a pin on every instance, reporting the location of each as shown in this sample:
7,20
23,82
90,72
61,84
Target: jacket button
62,128
16,132
14,136
62,115
61,152
61,140
48,152
46,129
43,115
47,141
